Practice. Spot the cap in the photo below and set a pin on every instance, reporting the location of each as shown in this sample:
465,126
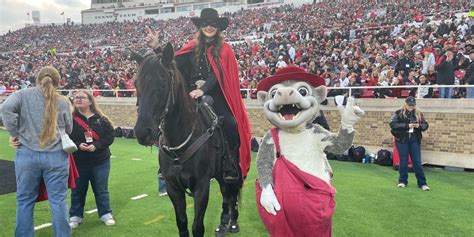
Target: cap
410,100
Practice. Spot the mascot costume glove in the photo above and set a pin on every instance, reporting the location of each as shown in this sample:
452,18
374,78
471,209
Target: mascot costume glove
269,200
350,114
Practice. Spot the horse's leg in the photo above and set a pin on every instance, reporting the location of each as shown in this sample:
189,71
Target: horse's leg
179,203
222,229
234,207
201,199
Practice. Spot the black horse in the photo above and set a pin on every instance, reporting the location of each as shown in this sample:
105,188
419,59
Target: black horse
191,142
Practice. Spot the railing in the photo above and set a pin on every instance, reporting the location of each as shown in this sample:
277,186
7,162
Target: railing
116,93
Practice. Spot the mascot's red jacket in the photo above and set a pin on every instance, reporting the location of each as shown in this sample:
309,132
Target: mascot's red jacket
232,96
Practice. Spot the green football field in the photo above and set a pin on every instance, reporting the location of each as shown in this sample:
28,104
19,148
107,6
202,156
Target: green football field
368,202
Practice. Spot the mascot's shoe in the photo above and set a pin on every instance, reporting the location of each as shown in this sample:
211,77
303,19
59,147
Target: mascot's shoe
221,230
234,227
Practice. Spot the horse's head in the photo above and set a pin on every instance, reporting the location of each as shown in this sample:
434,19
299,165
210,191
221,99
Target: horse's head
154,83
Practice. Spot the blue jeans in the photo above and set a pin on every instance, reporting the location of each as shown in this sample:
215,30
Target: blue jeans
412,147
161,183
30,167
445,92
470,93
99,179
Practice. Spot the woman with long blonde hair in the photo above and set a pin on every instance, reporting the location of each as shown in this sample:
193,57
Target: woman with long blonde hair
93,133
35,118
407,125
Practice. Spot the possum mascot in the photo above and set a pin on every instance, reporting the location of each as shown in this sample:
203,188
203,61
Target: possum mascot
295,196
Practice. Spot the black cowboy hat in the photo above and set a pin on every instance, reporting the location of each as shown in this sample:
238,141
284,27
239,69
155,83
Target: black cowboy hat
209,16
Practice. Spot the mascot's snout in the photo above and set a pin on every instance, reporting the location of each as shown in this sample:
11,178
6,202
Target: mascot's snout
286,95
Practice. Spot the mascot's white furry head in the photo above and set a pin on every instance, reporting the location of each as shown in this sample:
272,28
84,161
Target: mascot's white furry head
291,97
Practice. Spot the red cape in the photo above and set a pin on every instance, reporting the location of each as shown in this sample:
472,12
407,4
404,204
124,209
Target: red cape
71,182
231,92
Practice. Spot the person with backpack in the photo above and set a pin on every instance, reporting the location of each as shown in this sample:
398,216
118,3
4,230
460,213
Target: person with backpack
407,125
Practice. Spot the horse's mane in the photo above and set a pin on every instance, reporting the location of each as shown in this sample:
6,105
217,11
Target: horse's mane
152,75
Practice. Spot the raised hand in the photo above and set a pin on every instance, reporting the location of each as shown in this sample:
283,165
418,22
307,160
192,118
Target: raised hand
151,38
350,114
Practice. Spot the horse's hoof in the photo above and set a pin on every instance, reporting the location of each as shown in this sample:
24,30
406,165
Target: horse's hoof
221,230
234,227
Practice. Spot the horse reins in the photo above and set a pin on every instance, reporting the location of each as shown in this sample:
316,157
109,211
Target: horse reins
188,153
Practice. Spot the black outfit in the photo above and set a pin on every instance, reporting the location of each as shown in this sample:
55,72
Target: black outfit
408,144
321,120
104,130
470,74
404,64
193,71
399,126
445,72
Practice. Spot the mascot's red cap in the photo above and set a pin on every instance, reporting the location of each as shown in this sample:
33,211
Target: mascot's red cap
290,73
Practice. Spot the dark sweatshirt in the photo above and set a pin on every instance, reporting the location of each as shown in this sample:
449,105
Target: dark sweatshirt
104,129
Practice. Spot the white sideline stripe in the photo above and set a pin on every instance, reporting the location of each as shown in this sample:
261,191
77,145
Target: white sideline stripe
43,226
136,159
91,211
139,196
112,156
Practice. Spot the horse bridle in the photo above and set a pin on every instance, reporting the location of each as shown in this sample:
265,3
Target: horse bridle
161,121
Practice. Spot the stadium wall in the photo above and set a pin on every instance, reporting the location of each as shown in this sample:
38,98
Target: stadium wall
448,142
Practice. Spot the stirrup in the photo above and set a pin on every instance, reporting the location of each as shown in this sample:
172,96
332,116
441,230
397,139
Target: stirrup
231,176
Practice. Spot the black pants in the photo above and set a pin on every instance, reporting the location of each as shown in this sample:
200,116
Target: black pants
231,131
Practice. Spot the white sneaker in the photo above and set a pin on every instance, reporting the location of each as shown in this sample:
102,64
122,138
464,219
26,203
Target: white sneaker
425,188
74,222
401,185
108,219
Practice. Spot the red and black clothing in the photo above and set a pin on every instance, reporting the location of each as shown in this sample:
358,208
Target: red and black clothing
222,83
103,128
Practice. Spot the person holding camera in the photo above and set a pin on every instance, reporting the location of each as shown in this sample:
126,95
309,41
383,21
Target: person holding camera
407,125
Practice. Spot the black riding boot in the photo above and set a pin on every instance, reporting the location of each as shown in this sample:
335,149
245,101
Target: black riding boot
231,166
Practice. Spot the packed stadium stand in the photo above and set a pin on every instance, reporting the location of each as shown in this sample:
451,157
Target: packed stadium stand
349,43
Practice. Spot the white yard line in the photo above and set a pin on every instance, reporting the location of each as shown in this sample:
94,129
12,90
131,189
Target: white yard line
43,226
91,211
139,196
136,159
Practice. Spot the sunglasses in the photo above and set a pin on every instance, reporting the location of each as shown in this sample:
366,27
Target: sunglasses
209,23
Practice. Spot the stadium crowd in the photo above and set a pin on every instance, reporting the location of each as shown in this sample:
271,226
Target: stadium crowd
396,43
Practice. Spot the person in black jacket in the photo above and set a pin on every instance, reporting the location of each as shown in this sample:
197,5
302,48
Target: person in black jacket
93,133
407,125
469,78
404,64
445,73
